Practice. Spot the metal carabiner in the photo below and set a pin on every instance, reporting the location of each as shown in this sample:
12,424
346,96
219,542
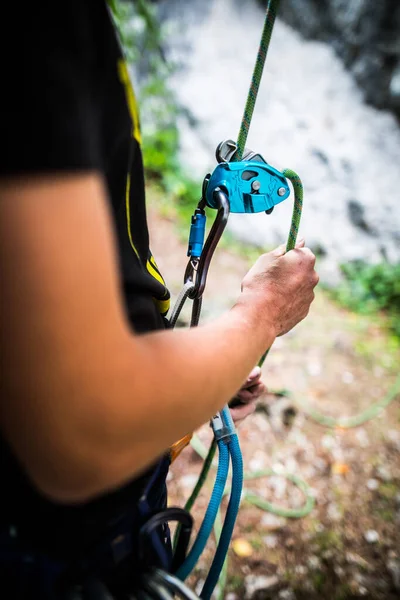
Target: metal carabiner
200,266
155,589
175,585
173,514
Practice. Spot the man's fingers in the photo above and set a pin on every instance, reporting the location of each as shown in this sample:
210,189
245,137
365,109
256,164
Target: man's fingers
241,412
245,396
252,393
248,397
258,390
281,250
253,377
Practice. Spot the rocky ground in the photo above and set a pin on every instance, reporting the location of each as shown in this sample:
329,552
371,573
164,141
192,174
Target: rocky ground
349,546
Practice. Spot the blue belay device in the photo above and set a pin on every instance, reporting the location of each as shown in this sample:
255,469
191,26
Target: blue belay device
252,186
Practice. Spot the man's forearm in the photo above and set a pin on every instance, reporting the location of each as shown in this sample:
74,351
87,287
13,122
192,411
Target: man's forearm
86,405
145,393
198,371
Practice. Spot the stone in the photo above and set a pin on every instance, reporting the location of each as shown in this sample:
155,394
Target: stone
254,584
188,481
334,513
393,437
371,536
393,566
362,438
360,579
339,571
347,377
328,554
314,368
257,464
384,473
271,541
314,562
272,522
355,559
372,484
199,586
328,442
291,465
300,570
286,595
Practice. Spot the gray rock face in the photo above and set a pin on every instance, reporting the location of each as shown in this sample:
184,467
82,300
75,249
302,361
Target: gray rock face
310,116
364,33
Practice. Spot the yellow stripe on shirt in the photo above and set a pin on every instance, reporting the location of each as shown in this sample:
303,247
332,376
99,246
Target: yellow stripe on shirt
130,98
128,213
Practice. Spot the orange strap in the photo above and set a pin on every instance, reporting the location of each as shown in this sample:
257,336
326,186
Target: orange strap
177,448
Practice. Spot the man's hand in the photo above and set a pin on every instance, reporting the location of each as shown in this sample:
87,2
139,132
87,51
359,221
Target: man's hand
278,290
244,403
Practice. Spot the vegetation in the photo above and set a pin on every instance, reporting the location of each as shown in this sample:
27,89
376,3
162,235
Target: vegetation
142,38
368,289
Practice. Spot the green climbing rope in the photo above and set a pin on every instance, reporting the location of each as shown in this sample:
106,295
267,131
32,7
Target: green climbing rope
355,421
295,223
297,207
224,572
208,459
288,513
254,498
270,17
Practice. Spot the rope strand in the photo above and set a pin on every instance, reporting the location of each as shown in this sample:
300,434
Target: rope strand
270,17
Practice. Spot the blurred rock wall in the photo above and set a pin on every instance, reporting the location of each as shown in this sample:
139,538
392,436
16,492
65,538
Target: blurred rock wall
364,33
310,116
